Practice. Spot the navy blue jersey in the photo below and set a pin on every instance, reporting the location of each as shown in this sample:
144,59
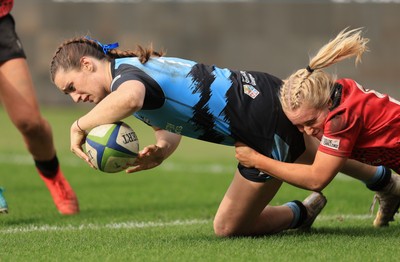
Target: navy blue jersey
213,104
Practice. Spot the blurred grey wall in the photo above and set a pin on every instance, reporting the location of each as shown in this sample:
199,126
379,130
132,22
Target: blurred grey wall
271,36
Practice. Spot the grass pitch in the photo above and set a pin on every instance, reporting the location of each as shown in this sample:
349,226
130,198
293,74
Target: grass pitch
166,214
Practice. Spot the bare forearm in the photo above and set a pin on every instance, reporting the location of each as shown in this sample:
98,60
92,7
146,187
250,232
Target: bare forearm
116,106
110,110
296,174
167,141
312,177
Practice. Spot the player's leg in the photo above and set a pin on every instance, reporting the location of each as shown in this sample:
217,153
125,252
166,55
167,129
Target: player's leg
19,99
380,179
244,210
385,184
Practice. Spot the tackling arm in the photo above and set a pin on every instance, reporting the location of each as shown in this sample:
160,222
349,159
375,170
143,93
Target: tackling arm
313,177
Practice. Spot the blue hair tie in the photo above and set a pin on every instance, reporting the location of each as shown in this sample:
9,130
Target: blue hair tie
105,48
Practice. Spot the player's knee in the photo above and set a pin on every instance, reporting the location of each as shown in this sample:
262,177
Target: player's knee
222,231
225,229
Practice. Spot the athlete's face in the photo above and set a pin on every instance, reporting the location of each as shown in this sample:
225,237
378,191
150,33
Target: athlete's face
84,85
309,120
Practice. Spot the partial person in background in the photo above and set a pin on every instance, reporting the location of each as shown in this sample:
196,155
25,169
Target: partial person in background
3,203
18,97
350,121
179,97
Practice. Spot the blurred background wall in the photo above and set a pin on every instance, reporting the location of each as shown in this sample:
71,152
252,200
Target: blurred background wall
271,36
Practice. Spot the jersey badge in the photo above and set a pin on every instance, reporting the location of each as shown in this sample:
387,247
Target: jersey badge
331,143
250,91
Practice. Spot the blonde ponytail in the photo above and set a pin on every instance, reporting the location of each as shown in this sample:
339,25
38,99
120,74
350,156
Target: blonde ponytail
312,85
345,45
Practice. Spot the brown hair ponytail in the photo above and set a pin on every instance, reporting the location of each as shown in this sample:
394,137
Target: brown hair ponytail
69,53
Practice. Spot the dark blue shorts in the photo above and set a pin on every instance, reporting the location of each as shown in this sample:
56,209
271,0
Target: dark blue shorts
287,146
10,45
253,174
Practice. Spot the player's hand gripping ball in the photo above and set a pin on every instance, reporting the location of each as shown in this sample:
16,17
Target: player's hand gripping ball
112,147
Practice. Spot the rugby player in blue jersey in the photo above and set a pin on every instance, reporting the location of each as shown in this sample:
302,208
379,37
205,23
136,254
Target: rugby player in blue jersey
179,97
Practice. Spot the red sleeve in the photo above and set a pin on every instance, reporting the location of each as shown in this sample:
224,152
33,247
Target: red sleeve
340,133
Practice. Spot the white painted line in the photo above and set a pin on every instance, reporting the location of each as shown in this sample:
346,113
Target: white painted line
91,226
150,224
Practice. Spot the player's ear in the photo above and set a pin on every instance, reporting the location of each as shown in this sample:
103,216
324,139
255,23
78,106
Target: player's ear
86,64
330,104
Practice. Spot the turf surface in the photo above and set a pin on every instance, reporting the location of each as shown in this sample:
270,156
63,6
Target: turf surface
166,214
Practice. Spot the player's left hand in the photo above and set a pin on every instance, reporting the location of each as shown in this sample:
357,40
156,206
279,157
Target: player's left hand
150,157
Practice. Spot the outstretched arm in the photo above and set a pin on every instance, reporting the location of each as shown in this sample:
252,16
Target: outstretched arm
153,155
313,177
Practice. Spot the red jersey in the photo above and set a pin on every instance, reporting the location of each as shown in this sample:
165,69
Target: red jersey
5,7
364,126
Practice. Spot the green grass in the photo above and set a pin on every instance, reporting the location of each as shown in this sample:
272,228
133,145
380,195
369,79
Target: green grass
166,214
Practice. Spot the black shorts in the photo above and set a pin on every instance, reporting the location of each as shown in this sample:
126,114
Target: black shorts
253,174
259,122
284,151
10,45
287,145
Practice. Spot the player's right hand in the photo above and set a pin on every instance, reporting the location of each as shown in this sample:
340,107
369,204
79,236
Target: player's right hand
78,138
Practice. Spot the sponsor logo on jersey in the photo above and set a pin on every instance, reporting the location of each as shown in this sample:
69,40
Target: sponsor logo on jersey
249,84
173,128
331,143
248,78
250,91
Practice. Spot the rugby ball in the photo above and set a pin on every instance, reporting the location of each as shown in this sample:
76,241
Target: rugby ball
112,147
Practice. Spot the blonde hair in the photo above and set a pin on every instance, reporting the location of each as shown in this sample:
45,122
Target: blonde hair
312,85
69,53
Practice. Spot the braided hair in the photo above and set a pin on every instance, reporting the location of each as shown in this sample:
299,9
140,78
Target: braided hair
312,85
69,53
